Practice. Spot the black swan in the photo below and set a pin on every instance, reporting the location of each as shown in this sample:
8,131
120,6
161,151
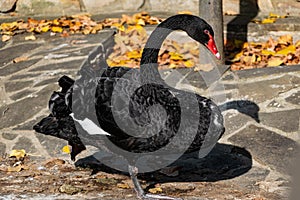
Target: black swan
134,113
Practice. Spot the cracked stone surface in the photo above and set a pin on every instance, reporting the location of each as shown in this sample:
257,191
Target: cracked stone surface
268,147
250,159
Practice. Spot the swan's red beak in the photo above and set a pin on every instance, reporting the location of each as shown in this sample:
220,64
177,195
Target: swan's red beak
211,45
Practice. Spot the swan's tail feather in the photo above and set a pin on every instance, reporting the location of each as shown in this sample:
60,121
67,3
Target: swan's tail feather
59,123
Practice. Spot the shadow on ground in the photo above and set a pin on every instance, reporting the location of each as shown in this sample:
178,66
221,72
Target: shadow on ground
223,162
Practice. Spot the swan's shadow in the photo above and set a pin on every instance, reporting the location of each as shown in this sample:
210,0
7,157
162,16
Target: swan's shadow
223,162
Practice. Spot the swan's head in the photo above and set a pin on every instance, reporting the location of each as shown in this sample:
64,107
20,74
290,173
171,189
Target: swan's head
202,32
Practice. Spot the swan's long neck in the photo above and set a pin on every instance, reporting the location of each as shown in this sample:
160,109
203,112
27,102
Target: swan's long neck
149,66
153,45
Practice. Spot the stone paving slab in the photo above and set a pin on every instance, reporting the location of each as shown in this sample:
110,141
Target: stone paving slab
251,158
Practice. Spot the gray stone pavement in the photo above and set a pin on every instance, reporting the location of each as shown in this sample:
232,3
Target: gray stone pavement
252,159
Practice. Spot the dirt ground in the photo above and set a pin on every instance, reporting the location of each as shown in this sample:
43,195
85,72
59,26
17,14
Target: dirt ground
60,179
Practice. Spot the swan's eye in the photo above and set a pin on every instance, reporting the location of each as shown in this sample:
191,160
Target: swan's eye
206,32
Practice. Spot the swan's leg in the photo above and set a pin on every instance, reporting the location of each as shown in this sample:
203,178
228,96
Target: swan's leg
133,171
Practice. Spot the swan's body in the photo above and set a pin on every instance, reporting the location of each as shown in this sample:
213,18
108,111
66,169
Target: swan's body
135,109
164,125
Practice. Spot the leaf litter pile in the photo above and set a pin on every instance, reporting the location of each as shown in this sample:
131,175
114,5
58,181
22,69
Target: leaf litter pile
274,52
132,36
21,175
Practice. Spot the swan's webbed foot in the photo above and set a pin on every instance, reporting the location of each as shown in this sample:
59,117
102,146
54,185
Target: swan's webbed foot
133,171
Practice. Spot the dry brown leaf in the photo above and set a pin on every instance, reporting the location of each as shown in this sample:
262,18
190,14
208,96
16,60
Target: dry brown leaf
285,40
5,38
172,66
185,12
53,162
17,60
123,185
17,168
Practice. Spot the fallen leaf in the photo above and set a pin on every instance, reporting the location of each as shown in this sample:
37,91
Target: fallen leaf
172,66
123,185
134,54
175,56
30,37
53,162
20,59
275,62
273,15
237,57
155,190
17,168
267,52
57,29
66,149
65,34
69,189
141,22
56,22
246,59
5,38
45,29
290,49
107,181
268,21
285,40
187,12
189,63
18,153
